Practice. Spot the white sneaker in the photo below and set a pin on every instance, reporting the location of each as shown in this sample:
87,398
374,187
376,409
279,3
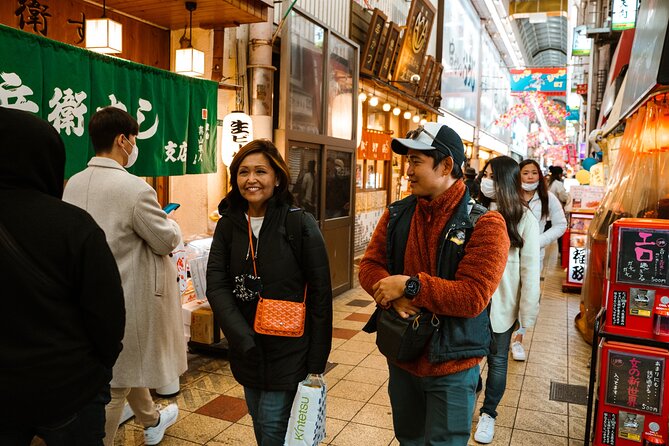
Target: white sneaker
518,351
168,416
485,429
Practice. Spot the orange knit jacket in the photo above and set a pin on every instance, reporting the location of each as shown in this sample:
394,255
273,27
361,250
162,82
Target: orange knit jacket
476,279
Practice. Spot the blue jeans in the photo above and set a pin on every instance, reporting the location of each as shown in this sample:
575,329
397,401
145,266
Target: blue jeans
495,384
432,410
270,411
84,428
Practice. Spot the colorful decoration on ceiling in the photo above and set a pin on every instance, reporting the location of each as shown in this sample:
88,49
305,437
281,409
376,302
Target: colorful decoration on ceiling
554,113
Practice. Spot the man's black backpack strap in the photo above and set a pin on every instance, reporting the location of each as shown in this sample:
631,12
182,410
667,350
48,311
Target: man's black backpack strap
475,212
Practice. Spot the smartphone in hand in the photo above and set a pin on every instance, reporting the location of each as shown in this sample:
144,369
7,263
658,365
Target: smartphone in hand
171,207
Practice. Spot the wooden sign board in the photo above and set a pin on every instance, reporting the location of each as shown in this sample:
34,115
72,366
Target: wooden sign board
371,49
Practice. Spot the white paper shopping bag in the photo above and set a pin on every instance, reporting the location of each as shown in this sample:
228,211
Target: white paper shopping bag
306,426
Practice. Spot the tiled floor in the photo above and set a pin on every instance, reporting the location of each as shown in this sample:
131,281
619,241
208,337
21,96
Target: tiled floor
213,411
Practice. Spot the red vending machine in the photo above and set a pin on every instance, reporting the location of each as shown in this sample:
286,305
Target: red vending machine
638,279
633,409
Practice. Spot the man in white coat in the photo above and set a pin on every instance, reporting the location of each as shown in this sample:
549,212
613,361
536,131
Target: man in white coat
140,236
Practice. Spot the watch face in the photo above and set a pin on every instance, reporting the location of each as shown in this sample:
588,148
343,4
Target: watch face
412,287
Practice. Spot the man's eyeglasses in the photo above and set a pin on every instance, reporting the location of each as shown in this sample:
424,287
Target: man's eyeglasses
413,134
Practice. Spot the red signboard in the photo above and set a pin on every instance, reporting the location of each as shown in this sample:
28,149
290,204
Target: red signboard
582,88
374,145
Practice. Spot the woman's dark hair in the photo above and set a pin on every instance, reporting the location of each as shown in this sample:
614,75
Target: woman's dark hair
506,175
276,161
542,190
556,174
438,157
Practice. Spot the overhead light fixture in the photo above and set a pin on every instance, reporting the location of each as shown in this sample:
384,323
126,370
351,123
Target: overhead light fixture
494,14
407,114
387,107
374,101
104,35
188,60
538,17
397,111
416,118
362,97
423,121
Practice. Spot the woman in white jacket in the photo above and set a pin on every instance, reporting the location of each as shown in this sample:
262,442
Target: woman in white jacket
545,206
517,297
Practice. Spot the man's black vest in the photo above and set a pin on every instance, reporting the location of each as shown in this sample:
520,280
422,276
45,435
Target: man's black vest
456,337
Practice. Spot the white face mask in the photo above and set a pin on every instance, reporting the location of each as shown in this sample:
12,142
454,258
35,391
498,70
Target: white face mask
132,156
530,186
488,188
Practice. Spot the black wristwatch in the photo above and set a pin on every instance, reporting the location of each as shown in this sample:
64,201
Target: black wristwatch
412,287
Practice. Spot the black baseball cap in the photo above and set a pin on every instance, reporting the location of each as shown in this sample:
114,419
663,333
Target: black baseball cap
431,136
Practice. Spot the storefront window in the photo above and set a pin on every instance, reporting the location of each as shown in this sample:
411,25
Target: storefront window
341,62
338,184
306,82
304,167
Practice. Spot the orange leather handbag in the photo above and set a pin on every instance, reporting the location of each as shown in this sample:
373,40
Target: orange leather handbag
278,317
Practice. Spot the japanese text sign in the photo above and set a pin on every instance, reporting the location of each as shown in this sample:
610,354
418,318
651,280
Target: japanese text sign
623,14
374,146
642,257
635,381
66,85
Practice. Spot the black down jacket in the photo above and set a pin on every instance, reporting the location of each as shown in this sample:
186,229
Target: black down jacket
261,361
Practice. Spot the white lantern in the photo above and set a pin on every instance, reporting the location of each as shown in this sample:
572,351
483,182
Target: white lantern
189,62
104,36
237,132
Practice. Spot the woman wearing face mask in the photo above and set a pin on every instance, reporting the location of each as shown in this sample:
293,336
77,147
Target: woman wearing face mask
252,255
516,300
545,206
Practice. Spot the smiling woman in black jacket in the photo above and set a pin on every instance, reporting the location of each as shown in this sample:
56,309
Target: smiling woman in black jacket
269,367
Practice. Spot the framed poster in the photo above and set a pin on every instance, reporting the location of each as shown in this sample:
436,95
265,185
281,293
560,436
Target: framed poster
414,44
634,381
374,33
389,50
643,257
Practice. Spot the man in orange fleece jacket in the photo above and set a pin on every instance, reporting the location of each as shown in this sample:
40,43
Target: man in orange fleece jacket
425,256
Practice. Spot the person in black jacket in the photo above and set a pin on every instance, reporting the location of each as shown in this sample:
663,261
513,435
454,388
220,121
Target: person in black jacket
63,310
254,222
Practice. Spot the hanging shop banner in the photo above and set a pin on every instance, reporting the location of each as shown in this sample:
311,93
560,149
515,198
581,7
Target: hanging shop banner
581,43
374,146
66,85
623,15
414,45
461,41
574,114
495,89
552,81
